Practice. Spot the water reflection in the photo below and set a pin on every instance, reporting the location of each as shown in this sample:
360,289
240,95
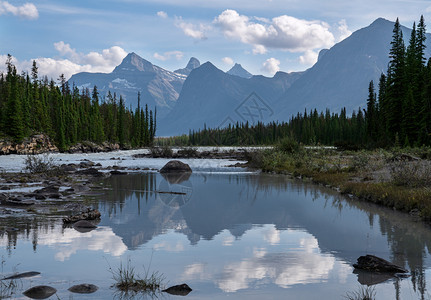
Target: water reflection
238,202
238,232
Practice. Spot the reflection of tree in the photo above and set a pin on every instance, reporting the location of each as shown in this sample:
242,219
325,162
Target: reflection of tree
140,186
25,228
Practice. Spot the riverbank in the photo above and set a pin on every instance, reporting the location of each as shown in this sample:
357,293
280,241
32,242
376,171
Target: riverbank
397,178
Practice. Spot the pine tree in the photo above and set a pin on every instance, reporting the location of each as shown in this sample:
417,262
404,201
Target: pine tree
396,81
371,114
14,128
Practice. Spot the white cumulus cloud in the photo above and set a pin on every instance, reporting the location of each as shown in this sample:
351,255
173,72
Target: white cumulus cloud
271,66
26,11
192,30
227,60
162,14
309,58
343,30
283,32
168,55
72,62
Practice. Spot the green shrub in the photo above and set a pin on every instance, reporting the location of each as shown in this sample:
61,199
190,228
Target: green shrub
288,145
38,164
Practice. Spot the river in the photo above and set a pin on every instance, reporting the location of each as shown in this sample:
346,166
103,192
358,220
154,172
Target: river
227,233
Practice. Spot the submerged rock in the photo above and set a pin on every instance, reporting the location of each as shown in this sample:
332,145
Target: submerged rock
84,226
84,288
176,166
178,290
40,292
377,264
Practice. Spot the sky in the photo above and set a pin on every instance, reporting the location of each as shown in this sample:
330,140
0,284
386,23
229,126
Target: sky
264,36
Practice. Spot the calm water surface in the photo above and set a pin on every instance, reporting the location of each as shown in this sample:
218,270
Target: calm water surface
227,235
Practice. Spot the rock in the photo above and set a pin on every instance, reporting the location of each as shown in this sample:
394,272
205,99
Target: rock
84,288
16,202
90,147
176,166
116,172
91,171
90,214
179,290
377,264
68,168
22,275
40,197
86,164
40,292
51,189
35,144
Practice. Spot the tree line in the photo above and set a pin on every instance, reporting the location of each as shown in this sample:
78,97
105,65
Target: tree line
399,114
30,105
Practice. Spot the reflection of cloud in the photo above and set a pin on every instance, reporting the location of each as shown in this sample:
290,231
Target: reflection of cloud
166,246
196,271
304,265
259,252
271,235
228,241
71,241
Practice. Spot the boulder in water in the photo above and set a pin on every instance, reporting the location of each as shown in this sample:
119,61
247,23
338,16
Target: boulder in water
84,288
40,292
176,166
377,264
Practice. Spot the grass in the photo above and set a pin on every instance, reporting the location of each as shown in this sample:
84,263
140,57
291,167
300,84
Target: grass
127,281
7,287
385,177
364,293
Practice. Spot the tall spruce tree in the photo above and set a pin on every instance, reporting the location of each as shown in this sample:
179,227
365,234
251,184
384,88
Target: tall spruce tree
395,92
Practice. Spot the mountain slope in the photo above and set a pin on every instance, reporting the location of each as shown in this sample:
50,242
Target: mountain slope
213,98
192,64
341,76
158,87
238,70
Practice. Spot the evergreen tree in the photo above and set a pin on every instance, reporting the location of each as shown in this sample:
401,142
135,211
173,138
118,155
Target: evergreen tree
396,81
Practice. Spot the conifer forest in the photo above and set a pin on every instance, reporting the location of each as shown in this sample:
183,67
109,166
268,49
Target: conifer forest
30,105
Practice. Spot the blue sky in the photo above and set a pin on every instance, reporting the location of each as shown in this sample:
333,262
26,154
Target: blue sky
265,36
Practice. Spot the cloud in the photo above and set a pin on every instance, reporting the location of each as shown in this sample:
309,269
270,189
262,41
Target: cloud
73,62
227,60
309,58
192,30
168,55
162,14
259,49
343,30
283,32
271,66
25,11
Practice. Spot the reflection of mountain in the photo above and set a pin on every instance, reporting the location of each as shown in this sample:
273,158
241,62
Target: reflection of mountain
234,202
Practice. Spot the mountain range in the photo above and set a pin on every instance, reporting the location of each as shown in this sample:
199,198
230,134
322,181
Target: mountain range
203,95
